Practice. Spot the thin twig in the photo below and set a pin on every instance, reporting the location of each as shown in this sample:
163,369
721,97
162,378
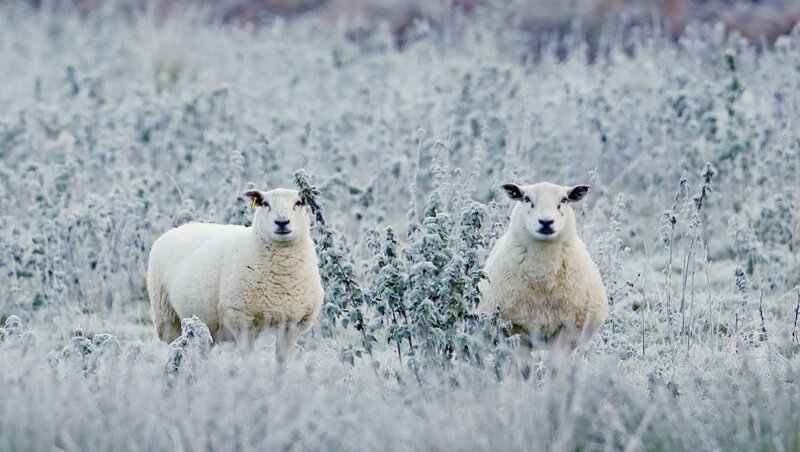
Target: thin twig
796,314
668,282
691,304
177,187
763,335
644,298
709,300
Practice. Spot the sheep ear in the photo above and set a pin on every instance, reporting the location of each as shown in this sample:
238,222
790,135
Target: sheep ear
255,197
577,192
512,191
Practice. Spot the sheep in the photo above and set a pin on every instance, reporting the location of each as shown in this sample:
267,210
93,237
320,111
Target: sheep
239,280
540,274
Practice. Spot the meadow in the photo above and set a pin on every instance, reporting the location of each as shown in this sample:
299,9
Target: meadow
116,126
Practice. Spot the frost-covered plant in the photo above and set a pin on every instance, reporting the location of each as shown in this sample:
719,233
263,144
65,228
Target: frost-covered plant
108,139
612,252
422,303
105,343
89,356
79,346
695,241
188,352
387,291
421,298
743,290
14,336
775,230
344,300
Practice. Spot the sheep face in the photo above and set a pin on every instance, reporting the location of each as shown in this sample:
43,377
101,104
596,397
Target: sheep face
543,210
280,215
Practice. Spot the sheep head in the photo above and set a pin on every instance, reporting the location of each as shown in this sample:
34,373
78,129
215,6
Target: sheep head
280,215
543,211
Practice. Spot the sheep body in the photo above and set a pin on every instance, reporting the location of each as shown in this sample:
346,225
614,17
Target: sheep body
236,279
548,288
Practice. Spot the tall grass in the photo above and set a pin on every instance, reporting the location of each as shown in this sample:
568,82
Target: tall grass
117,127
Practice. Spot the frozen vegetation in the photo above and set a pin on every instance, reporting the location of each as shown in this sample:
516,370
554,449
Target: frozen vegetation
116,127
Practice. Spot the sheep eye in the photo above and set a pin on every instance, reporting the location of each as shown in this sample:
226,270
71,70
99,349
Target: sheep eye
265,204
299,203
564,200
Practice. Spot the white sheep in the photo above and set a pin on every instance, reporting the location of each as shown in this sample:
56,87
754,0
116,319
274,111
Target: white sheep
239,280
540,273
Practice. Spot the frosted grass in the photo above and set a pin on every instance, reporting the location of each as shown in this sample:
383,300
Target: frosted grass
115,129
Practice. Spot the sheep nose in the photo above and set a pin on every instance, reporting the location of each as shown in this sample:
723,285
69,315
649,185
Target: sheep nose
282,223
547,223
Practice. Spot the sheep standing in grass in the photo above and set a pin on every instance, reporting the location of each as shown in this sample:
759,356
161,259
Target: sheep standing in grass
540,274
239,280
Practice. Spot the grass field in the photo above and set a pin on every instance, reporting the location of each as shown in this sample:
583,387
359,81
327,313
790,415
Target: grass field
115,127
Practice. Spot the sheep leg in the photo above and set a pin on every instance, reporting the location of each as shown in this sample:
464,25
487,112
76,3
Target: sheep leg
524,361
567,339
247,340
245,337
165,319
234,324
523,357
286,338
